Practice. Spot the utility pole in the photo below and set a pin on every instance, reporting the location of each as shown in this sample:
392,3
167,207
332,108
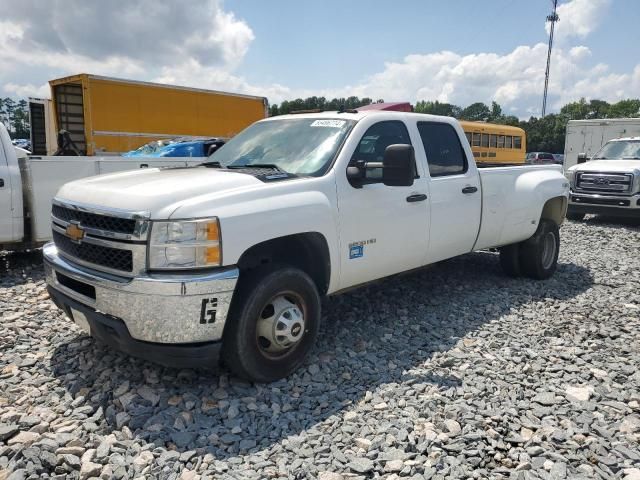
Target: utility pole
553,18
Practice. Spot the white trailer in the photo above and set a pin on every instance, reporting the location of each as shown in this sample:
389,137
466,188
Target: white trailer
588,136
28,184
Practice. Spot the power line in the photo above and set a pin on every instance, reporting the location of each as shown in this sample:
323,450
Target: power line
553,18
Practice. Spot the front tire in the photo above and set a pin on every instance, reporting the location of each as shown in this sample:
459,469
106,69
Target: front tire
539,254
273,323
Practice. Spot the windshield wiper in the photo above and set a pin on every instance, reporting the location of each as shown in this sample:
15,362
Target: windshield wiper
210,164
270,166
630,158
599,158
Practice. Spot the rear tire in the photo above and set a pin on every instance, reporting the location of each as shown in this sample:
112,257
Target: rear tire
510,260
273,323
539,254
575,216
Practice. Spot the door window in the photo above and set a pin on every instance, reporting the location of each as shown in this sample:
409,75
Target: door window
375,141
445,154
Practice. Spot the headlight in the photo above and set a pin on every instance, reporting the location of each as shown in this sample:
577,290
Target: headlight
185,244
569,174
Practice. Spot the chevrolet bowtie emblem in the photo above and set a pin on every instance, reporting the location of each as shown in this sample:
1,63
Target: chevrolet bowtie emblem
74,232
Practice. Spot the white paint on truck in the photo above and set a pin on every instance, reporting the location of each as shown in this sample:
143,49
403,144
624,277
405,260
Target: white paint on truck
395,191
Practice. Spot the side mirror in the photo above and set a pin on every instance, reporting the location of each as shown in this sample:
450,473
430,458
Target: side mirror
398,166
582,157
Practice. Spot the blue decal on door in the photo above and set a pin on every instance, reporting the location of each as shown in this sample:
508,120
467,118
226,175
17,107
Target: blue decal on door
356,251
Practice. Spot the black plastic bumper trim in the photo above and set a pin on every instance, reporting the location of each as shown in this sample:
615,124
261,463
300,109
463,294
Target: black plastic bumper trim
113,332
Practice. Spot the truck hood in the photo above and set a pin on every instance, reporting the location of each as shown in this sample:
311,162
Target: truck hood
624,166
158,192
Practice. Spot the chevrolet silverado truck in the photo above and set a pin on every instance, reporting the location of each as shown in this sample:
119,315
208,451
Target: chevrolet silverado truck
229,260
608,184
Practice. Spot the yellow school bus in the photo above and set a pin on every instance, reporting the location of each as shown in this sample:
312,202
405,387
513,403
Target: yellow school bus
107,116
492,143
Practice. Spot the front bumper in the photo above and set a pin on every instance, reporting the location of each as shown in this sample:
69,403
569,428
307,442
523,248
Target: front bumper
615,205
113,332
157,308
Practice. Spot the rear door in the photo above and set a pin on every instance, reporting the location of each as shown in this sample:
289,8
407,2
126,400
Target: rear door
454,191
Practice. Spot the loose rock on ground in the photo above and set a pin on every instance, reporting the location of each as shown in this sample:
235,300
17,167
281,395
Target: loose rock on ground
452,372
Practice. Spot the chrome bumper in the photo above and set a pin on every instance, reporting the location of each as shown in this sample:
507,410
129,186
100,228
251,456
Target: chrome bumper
160,308
630,202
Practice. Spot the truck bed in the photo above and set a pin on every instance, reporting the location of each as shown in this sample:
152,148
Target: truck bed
509,214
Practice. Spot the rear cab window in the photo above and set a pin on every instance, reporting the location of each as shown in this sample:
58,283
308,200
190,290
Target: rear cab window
445,154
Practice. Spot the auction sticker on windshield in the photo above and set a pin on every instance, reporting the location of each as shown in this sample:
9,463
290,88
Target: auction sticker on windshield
328,123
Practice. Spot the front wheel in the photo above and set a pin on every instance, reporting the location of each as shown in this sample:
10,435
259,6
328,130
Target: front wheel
539,254
273,323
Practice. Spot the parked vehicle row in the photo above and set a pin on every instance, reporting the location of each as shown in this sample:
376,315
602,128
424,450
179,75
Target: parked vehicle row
607,183
231,258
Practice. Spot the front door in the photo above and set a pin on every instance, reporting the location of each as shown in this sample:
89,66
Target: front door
383,230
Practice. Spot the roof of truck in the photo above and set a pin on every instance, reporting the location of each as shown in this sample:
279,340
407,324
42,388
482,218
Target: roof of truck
359,115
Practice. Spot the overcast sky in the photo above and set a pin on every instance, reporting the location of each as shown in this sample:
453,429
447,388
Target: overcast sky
458,51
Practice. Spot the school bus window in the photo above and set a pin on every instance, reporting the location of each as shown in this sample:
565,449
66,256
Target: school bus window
468,135
493,141
485,140
500,141
517,142
507,141
476,139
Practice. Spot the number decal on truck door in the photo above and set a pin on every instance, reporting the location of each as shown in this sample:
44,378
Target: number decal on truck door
208,310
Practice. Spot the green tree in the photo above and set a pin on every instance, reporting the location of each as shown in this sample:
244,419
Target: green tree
476,112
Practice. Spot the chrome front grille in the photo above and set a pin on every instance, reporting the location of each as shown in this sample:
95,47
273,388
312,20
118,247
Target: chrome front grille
112,258
112,241
599,182
94,220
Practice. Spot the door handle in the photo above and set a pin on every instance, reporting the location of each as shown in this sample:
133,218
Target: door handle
469,189
144,165
417,197
1,182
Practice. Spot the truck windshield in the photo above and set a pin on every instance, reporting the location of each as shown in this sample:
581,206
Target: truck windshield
304,146
620,150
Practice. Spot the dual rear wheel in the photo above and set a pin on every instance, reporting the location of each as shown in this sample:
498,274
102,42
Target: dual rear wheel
536,257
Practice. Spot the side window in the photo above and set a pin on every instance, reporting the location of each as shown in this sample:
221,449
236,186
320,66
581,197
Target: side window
476,140
517,142
507,141
485,140
500,141
493,140
445,154
375,141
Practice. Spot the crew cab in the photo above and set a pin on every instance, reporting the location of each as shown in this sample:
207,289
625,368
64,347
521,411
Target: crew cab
230,259
28,184
608,183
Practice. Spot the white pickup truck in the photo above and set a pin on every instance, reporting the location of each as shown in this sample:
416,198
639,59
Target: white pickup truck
28,184
180,265
609,183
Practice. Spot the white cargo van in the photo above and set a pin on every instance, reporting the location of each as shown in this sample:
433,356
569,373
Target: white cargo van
588,136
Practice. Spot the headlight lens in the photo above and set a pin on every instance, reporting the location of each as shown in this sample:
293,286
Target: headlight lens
185,244
569,174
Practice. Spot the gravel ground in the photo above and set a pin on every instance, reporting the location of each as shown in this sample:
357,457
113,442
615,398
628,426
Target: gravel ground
452,372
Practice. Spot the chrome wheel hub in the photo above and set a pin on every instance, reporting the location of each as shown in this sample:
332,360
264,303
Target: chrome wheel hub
549,246
281,325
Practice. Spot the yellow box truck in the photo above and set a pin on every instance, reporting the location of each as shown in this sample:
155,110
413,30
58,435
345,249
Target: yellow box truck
107,116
